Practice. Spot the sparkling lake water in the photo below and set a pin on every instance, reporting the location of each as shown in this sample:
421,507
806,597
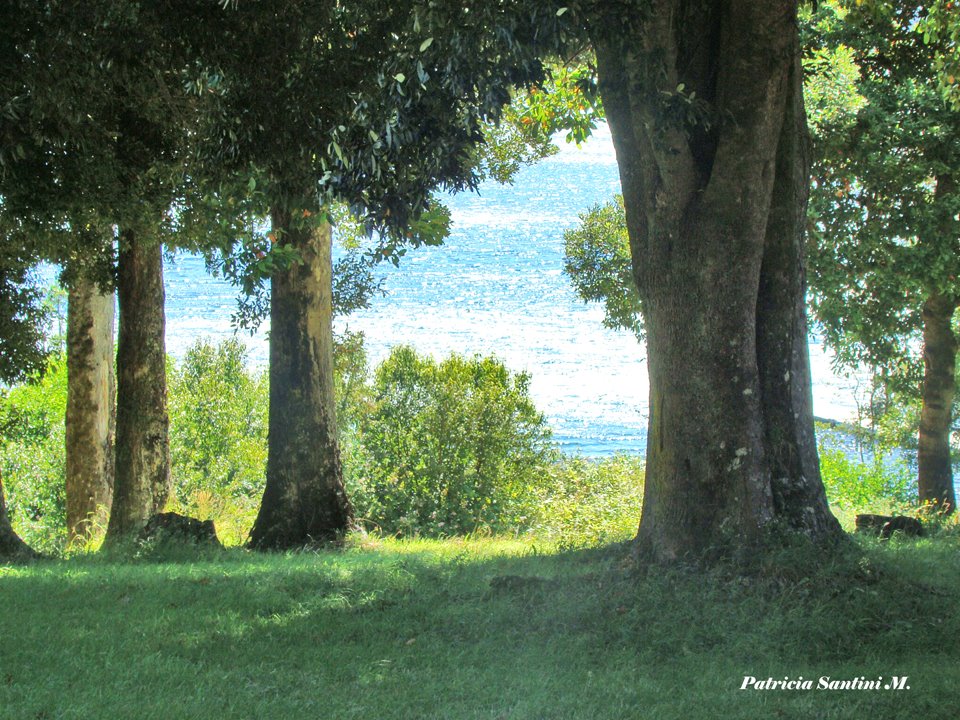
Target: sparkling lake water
496,287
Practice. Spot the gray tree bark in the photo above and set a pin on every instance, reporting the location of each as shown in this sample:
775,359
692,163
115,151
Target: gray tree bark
704,102
304,500
90,417
142,476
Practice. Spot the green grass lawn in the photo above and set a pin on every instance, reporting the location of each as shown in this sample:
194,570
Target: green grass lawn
477,629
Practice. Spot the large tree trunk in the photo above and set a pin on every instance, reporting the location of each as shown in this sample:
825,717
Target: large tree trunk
90,407
142,476
11,546
782,335
304,500
705,110
935,473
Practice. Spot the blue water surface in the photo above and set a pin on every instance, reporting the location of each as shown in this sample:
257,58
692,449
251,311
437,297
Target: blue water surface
496,287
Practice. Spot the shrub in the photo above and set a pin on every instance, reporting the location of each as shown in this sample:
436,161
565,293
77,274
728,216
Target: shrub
33,459
882,482
218,435
449,448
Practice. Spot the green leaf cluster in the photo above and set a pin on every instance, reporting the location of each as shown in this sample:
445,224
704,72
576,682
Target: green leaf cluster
884,226
597,261
880,483
218,422
23,315
567,101
940,26
32,455
449,447
371,105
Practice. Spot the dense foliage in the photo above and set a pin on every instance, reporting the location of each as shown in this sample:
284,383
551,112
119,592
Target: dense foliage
885,213
941,29
884,205
218,427
596,258
449,447
23,346
866,475
32,460
432,448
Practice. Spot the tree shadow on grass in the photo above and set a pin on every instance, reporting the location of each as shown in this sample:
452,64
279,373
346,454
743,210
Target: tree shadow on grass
396,633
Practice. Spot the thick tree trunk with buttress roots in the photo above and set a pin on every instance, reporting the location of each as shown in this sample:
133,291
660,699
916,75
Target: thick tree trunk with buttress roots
935,474
142,476
90,407
704,103
304,500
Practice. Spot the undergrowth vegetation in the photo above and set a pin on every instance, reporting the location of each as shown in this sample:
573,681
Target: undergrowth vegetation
876,479
32,457
431,449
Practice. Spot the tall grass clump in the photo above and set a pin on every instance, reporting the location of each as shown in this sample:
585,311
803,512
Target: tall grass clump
591,501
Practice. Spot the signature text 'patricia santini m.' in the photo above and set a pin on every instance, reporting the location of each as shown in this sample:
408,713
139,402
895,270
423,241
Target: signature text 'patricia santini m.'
825,682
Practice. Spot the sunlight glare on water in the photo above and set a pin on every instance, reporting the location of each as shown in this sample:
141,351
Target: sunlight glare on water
496,287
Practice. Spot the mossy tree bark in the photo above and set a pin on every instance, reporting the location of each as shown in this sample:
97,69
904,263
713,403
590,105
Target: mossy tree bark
704,101
142,475
90,413
934,470
304,500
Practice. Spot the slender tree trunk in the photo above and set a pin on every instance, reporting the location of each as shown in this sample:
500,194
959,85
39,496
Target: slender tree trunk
90,407
304,500
703,101
142,477
11,546
935,473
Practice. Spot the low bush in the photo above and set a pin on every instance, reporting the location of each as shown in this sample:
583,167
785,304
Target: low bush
449,448
218,436
881,482
33,459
